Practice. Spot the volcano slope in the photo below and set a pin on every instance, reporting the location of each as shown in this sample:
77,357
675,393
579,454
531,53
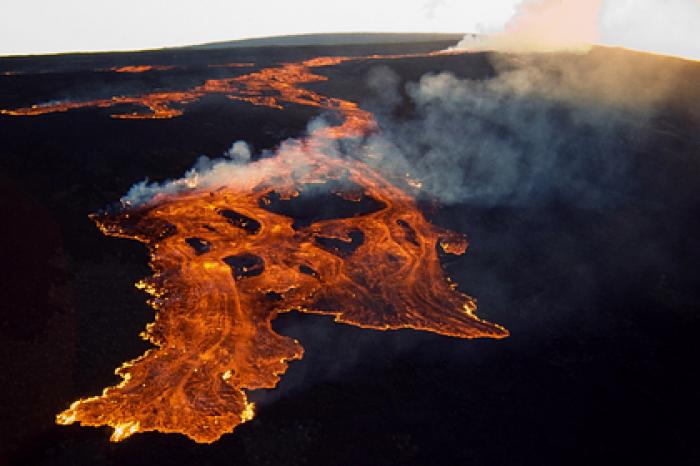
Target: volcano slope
599,295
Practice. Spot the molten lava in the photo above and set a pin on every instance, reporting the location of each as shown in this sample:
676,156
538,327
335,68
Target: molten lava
228,259
141,68
267,87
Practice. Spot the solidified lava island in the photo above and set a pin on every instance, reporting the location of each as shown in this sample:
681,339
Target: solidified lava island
227,261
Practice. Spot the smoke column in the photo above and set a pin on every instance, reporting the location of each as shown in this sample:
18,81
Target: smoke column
544,26
660,26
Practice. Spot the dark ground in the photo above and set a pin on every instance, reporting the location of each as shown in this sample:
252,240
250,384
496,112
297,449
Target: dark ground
602,303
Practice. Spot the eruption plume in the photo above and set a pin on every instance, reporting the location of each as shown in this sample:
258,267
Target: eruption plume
544,26
666,27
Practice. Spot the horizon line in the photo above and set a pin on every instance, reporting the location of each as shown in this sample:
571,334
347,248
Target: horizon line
242,39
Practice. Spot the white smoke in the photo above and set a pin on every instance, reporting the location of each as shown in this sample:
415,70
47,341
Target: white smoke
545,126
543,26
237,167
239,152
660,26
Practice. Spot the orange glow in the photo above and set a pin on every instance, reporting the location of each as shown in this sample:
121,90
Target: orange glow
142,68
215,300
157,103
268,87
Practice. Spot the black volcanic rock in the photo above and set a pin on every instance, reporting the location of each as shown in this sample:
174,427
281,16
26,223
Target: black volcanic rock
602,301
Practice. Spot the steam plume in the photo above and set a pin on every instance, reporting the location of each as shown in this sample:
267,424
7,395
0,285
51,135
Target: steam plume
545,127
660,26
544,26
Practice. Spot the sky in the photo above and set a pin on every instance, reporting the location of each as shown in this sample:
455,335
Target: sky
45,26
52,26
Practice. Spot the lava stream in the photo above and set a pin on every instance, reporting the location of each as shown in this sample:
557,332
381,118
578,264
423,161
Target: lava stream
268,87
227,261
141,68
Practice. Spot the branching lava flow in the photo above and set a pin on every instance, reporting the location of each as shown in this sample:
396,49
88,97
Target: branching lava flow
227,261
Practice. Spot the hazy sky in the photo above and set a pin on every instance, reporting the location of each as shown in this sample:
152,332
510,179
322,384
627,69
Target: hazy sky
41,26
670,27
45,26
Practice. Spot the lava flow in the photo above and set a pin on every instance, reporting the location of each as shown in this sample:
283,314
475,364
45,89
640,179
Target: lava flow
228,259
267,87
141,68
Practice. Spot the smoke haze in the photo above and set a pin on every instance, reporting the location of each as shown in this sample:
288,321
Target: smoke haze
546,126
500,140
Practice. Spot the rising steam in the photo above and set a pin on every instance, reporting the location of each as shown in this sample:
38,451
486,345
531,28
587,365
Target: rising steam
550,126
660,26
544,26
544,127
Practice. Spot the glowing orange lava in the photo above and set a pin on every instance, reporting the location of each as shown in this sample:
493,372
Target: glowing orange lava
142,68
267,87
227,261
